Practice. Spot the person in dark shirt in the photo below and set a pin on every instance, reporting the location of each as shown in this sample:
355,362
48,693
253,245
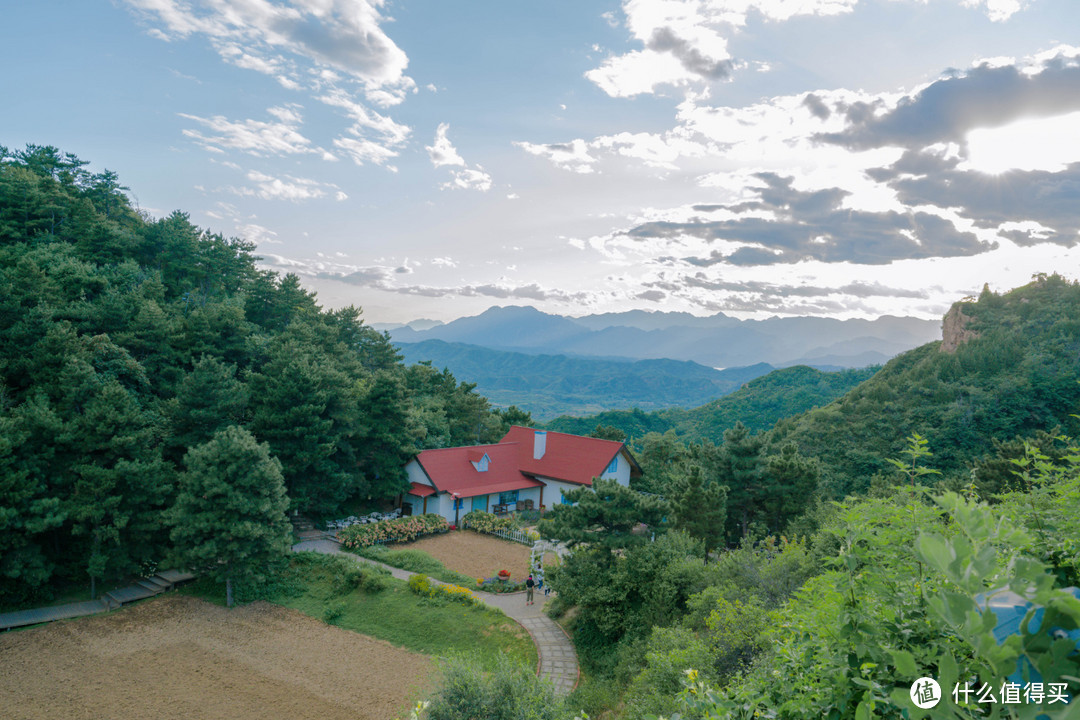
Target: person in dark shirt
529,585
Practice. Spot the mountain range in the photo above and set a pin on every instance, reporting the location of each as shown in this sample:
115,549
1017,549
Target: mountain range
718,341
552,385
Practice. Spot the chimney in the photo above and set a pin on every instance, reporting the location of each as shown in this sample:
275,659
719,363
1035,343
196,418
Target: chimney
539,444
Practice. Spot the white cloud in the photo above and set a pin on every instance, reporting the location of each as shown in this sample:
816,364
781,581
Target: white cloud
336,49
287,187
443,154
573,156
442,151
363,152
372,138
997,10
470,179
344,35
685,41
256,137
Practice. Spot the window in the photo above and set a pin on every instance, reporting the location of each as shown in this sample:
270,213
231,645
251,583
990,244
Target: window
508,498
459,503
614,466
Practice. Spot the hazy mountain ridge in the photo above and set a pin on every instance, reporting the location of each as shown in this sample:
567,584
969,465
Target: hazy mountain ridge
551,385
715,341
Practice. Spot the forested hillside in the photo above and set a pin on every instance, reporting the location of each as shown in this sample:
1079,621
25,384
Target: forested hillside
126,340
757,404
1009,366
551,385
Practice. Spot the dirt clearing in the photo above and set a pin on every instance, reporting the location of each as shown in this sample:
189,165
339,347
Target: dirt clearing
475,554
180,657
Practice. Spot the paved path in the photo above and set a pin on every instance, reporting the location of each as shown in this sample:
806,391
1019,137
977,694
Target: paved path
143,588
558,661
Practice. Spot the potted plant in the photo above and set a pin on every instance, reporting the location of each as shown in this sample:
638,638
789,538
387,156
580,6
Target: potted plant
504,575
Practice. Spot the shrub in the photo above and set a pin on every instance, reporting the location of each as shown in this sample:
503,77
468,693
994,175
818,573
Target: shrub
400,530
422,585
485,522
370,578
376,581
508,692
333,612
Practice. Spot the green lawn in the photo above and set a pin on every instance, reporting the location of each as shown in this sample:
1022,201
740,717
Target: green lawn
415,561
313,586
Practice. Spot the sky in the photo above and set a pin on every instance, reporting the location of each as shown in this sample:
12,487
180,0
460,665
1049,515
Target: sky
430,159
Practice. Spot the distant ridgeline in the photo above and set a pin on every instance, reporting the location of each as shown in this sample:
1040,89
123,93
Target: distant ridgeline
551,385
1006,370
125,341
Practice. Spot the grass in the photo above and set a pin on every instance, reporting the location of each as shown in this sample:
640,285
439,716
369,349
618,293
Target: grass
314,585
416,561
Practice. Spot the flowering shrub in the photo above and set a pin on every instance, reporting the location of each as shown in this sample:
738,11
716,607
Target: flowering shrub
485,522
403,529
422,585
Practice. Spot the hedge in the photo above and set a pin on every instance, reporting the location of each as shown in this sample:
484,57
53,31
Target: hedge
401,530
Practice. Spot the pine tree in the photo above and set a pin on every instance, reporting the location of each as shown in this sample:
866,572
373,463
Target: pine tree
700,508
229,519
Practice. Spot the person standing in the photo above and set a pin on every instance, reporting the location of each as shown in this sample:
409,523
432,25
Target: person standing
529,585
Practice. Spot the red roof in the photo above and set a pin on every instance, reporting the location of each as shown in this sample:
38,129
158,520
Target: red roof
572,458
421,490
451,470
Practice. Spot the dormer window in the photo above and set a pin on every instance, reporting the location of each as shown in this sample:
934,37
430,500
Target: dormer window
480,462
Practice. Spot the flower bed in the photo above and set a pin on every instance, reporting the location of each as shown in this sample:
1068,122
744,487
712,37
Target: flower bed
421,585
403,529
499,585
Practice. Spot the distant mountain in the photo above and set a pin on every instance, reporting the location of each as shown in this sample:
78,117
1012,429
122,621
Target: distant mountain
552,385
716,341
758,404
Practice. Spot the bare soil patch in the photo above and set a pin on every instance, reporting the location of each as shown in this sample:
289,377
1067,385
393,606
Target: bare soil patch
475,554
180,657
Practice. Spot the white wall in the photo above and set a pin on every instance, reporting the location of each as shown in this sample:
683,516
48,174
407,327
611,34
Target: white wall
554,489
416,473
622,472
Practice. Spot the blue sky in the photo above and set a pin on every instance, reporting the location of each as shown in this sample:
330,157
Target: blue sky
431,159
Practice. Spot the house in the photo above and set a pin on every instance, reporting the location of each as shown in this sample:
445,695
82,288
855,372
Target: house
526,469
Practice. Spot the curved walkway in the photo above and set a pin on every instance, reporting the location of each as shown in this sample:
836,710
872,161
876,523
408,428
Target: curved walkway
558,661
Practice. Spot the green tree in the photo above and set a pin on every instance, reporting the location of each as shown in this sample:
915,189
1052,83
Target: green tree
306,409
229,520
700,508
741,468
663,458
608,432
605,515
208,399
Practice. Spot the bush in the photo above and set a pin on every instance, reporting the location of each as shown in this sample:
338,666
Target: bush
333,613
485,522
400,530
422,585
509,692
370,578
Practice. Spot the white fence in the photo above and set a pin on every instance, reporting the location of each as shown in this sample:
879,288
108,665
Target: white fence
515,535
